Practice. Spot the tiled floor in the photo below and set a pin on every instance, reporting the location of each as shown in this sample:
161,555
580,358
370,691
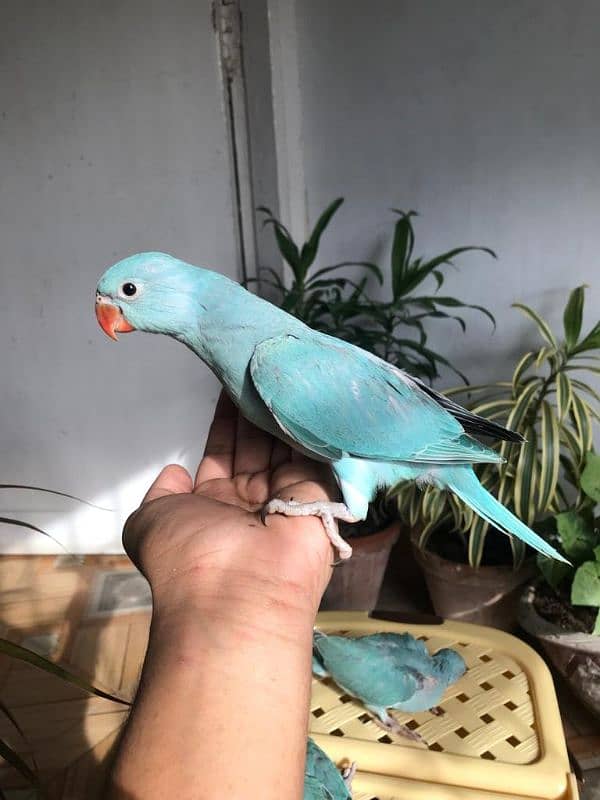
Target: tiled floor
94,617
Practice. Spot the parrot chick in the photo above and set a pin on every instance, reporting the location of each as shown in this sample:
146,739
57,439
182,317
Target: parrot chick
322,780
388,671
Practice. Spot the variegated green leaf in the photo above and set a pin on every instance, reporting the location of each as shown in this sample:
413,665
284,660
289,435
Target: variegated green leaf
542,325
522,405
564,394
519,549
499,386
585,387
525,484
591,409
414,509
572,443
573,315
583,368
506,489
429,528
549,457
477,535
456,511
583,423
524,363
542,355
503,406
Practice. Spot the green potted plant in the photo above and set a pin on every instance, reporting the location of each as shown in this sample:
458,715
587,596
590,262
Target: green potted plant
475,574
335,300
12,746
562,609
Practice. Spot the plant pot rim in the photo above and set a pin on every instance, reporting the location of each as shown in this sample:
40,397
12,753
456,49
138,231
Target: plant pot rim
437,563
372,541
549,632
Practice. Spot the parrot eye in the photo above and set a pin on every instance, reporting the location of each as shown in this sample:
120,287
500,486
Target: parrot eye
129,289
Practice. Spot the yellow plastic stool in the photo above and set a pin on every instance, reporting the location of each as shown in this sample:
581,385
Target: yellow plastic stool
499,737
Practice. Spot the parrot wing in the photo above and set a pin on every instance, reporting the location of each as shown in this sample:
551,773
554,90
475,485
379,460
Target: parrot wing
400,643
335,399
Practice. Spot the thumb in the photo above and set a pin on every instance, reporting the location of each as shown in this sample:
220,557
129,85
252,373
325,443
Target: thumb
172,479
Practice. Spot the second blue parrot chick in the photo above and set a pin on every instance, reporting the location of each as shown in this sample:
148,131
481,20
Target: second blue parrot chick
387,671
322,780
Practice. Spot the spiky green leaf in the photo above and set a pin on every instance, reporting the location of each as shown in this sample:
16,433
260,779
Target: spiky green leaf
519,551
523,403
590,342
549,458
402,247
310,248
522,366
564,394
573,316
477,536
525,485
23,654
17,762
541,323
583,423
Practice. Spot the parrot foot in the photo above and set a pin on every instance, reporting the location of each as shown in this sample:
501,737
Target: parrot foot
328,512
388,723
436,711
348,775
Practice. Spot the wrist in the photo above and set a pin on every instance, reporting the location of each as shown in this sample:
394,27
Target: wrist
235,602
288,582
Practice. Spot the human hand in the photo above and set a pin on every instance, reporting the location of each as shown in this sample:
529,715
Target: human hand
201,543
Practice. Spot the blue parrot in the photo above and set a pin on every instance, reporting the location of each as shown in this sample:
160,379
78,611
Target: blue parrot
322,781
387,670
374,424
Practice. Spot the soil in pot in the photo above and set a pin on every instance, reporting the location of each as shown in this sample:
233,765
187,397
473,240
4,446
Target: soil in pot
485,596
554,606
558,628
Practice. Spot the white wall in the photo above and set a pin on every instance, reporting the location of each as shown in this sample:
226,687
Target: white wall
483,116
112,141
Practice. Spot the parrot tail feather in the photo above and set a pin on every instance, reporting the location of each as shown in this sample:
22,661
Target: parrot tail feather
464,483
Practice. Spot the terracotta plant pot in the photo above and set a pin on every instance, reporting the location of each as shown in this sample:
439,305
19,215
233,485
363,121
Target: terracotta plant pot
575,655
355,584
484,596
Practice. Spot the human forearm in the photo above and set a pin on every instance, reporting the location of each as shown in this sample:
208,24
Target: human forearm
224,695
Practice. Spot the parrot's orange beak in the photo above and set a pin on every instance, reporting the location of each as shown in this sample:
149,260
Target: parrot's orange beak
110,318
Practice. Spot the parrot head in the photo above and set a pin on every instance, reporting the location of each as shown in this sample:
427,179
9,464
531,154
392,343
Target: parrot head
449,665
149,292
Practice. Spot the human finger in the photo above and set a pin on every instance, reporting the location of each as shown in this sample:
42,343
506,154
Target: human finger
172,479
219,451
281,453
252,448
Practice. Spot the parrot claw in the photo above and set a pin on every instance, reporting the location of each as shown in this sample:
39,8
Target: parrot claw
327,511
391,725
348,775
436,711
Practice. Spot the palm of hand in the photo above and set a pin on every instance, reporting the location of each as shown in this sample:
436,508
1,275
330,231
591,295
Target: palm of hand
190,530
